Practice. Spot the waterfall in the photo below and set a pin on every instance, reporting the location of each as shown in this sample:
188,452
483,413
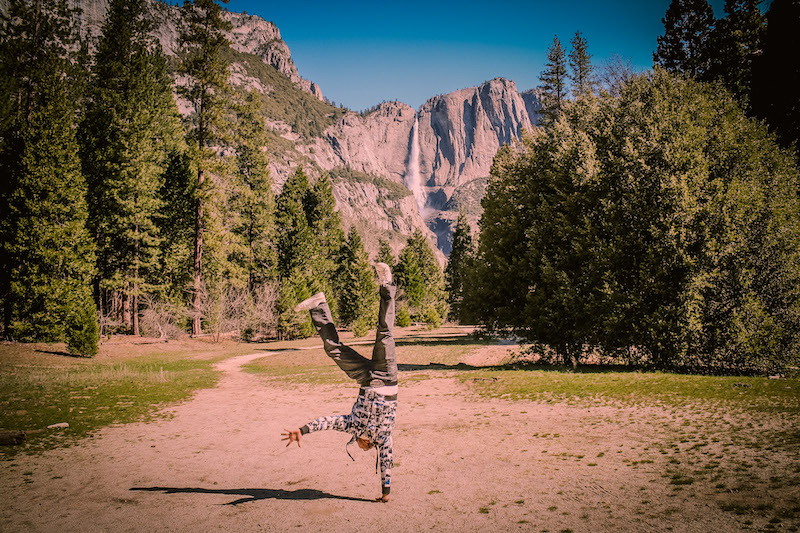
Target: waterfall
413,178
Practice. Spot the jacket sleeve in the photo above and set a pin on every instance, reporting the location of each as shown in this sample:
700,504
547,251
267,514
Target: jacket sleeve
386,460
334,422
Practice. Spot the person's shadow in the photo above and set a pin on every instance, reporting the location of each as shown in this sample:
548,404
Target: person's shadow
252,495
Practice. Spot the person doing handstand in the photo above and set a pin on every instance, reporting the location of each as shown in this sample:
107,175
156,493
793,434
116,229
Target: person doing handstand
371,421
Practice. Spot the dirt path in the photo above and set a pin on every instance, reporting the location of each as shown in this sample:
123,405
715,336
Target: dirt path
462,464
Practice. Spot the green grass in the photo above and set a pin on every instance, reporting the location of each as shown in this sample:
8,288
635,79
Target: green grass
752,393
90,394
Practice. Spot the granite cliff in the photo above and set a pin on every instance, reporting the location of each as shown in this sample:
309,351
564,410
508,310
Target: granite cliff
453,137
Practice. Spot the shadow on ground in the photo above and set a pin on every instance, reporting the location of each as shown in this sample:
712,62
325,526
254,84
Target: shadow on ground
252,495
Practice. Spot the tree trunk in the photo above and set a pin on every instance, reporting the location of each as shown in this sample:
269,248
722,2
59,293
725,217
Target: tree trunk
136,284
126,310
197,327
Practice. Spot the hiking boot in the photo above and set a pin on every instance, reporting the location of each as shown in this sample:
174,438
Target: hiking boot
384,273
310,303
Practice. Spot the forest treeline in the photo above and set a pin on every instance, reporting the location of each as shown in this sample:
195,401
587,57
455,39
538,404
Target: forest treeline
124,217
653,218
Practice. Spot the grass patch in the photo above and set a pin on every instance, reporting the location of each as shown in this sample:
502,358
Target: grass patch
678,390
38,390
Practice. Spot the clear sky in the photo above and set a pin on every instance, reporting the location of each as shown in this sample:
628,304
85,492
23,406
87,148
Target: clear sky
362,53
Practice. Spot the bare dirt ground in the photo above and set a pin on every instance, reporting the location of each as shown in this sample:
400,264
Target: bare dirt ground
462,463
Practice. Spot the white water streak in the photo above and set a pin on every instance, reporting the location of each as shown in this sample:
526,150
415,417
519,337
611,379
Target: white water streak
413,178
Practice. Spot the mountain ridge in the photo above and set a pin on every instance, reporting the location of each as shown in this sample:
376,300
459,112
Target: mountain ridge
457,133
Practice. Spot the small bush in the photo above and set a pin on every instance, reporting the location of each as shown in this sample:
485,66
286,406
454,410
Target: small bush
162,319
403,317
432,317
361,326
83,331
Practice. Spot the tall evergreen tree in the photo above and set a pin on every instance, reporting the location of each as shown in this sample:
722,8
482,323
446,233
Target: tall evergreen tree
206,72
47,253
177,225
385,253
554,83
581,68
684,47
776,79
131,124
254,198
458,265
357,288
296,246
326,224
419,278
737,40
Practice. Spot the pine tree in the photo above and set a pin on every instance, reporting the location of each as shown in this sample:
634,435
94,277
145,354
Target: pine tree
254,199
206,88
296,246
326,224
47,251
176,226
582,71
776,79
458,265
684,47
737,40
131,124
554,83
357,288
385,253
419,278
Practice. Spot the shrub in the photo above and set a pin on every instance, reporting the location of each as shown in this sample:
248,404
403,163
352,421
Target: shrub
83,330
403,317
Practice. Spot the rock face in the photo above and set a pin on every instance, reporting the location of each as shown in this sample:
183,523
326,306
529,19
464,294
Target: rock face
376,142
460,134
250,34
369,154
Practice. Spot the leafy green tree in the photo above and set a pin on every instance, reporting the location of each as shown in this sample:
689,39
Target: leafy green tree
684,47
776,78
554,82
47,252
130,125
419,277
581,68
357,289
458,265
206,89
660,225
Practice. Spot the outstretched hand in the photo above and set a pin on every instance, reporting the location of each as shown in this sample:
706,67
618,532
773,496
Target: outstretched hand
292,436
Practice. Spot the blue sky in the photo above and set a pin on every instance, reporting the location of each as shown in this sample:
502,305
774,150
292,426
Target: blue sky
362,53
